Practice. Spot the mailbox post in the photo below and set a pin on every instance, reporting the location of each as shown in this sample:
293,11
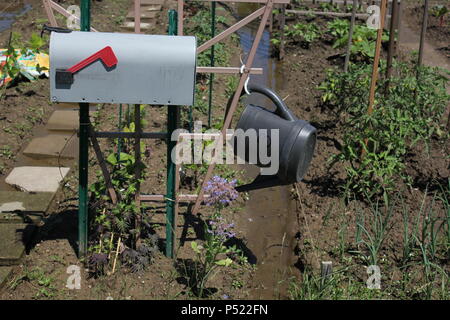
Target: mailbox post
85,25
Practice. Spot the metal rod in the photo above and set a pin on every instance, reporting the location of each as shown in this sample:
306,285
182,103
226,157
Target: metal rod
172,116
423,33
228,70
137,168
84,155
392,50
350,35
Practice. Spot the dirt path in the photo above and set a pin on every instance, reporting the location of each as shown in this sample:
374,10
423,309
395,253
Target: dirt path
409,41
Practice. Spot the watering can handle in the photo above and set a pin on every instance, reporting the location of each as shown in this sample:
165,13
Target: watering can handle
282,110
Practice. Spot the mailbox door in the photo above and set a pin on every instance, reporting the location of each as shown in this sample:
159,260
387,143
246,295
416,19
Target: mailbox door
150,69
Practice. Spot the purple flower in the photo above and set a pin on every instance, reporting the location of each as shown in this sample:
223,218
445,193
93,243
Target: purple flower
221,229
221,191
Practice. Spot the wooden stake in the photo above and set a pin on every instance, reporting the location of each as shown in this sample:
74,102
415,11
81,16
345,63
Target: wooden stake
326,269
110,245
117,254
376,60
102,164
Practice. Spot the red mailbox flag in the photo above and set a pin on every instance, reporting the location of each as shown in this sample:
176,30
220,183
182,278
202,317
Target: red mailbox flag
106,55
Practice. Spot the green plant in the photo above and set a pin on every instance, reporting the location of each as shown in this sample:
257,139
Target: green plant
439,11
200,26
363,38
325,6
302,33
43,284
375,228
11,68
6,152
375,145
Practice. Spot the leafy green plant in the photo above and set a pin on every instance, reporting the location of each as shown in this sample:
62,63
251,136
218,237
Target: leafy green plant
363,39
200,26
375,145
439,11
326,6
302,33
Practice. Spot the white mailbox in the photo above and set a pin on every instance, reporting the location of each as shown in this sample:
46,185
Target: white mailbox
100,67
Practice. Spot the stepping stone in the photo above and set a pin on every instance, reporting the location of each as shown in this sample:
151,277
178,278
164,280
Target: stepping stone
72,106
156,7
37,179
66,120
145,16
4,274
13,240
18,207
130,25
53,145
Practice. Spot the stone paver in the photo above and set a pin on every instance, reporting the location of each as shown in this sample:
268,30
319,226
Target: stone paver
130,25
37,179
16,206
4,274
145,16
53,145
13,238
63,120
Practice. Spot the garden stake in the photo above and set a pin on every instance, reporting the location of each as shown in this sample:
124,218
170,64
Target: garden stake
110,245
376,61
117,254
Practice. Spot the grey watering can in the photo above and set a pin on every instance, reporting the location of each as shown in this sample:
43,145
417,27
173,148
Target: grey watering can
296,140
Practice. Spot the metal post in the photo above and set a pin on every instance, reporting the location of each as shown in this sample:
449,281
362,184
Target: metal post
172,116
137,168
84,156
423,33
350,35
211,75
392,51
